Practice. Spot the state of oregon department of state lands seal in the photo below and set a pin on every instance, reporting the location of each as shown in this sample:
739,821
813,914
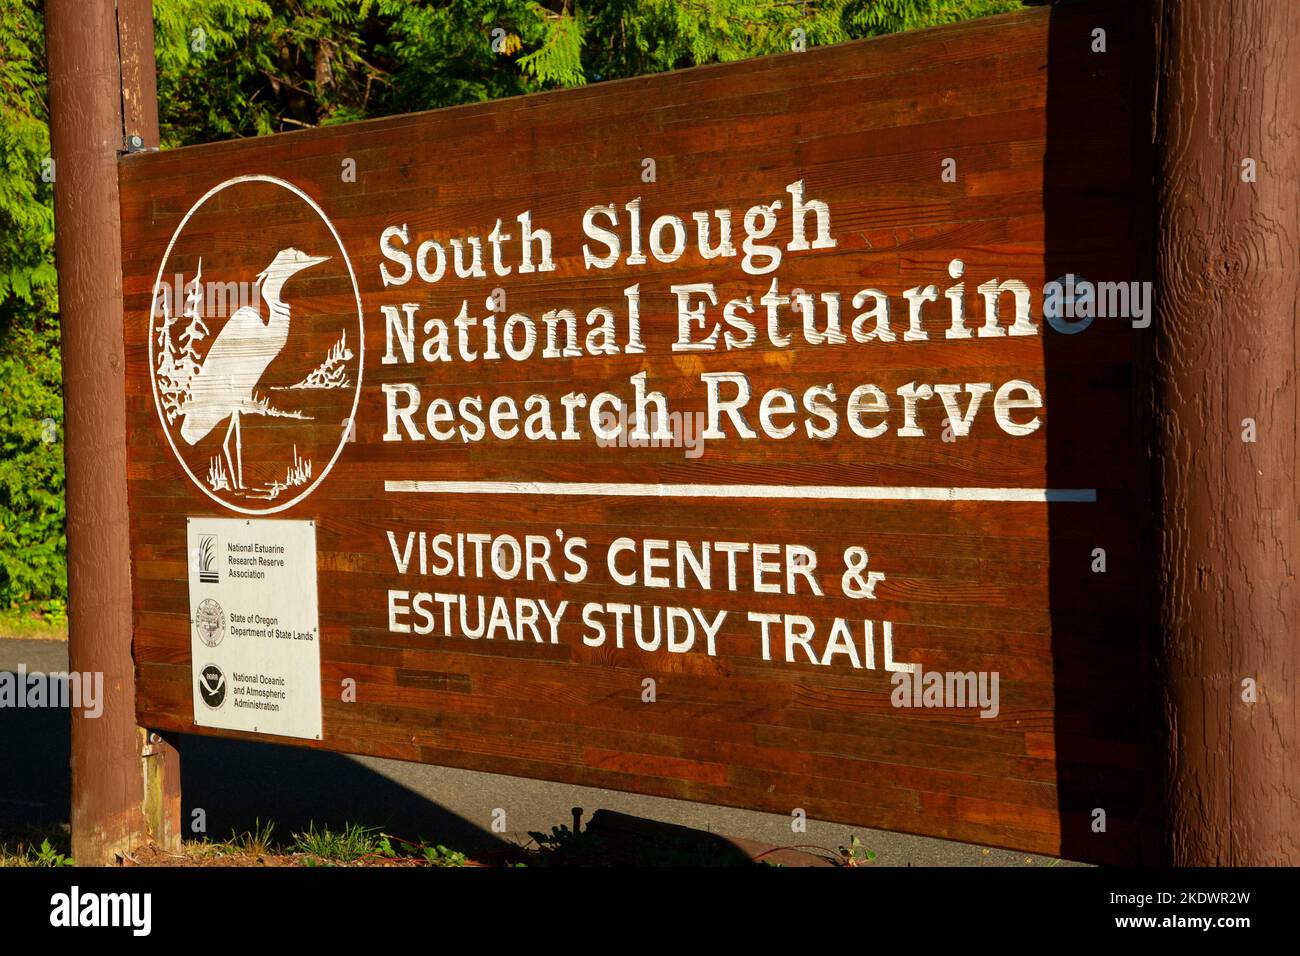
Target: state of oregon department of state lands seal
210,622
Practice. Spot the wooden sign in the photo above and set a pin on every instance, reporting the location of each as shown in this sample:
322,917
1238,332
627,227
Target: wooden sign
759,434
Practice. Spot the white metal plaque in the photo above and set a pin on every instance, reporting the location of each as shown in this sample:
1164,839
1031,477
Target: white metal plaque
254,625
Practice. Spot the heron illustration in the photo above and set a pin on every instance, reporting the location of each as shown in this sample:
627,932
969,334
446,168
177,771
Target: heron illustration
223,386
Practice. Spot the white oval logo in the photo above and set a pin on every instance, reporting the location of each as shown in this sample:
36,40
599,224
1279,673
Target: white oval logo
256,344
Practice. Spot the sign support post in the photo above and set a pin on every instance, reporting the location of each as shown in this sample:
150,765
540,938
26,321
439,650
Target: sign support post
1225,441
125,784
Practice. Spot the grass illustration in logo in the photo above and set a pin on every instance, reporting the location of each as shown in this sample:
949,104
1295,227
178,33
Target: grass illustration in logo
208,559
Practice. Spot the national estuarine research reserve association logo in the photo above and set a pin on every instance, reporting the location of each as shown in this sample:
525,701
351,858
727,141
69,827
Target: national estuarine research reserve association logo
206,558
256,345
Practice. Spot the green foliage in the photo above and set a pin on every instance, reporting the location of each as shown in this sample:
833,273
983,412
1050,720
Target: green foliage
441,856
20,848
231,68
32,543
442,54
344,846
48,856
651,36
855,854
249,67
868,18
559,59
26,209
48,623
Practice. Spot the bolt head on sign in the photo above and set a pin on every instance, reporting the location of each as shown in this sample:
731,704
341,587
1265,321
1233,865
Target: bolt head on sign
256,345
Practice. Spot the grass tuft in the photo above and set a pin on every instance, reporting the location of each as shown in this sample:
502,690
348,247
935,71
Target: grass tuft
254,842
344,846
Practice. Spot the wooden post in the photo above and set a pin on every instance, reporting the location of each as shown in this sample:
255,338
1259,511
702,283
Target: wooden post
100,58
139,85
1227,271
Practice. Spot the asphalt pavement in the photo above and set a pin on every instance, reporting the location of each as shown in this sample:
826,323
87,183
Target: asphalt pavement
238,784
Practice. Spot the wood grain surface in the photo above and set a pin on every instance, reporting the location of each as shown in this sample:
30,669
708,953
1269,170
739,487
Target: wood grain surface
1231,513
1050,177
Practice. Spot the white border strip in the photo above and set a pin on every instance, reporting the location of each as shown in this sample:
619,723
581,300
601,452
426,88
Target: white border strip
830,492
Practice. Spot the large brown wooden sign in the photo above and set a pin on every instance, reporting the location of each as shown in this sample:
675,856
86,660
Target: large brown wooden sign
722,435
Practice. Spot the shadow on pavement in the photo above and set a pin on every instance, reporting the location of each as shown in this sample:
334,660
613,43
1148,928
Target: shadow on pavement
236,783
34,778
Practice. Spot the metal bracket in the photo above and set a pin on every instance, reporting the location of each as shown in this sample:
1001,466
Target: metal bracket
134,144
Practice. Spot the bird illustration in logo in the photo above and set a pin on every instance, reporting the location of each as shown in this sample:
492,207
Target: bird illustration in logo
212,685
223,387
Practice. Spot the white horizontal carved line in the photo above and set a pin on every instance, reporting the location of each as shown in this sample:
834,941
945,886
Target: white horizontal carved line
829,492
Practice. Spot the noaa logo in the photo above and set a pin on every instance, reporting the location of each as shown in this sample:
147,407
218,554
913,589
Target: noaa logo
212,686
256,345
210,622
